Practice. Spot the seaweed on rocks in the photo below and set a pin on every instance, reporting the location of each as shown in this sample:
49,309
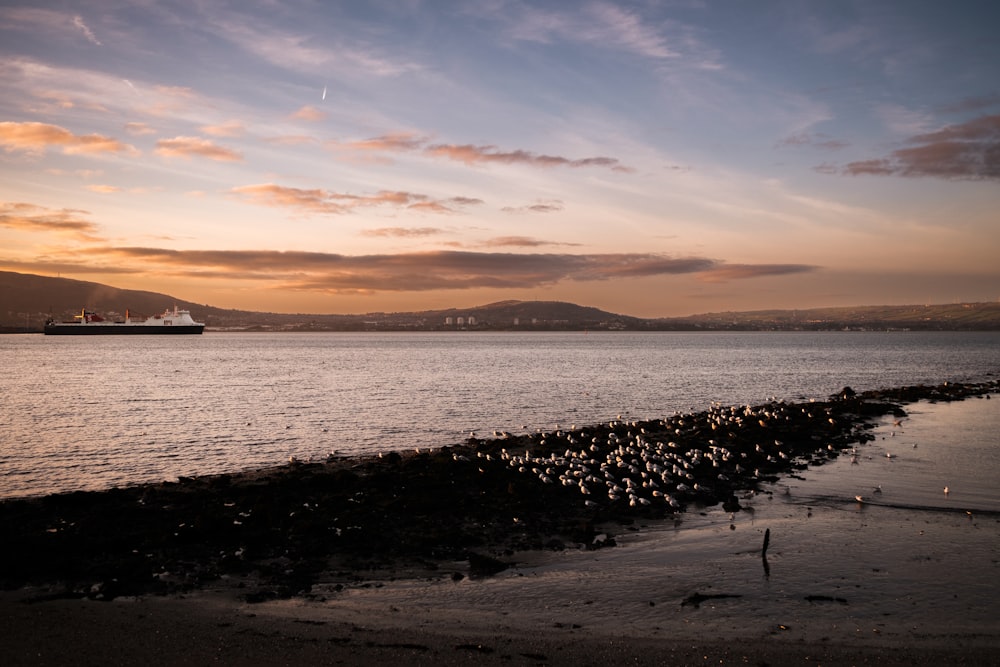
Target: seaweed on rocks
293,526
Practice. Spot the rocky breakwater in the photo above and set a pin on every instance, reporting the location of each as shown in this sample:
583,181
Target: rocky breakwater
456,511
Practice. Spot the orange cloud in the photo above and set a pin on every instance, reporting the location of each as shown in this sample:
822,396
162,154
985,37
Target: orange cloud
103,189
22,216
195,146
34,137
325,201
966,151
397,141
231,128
309,113
520,242
403,231
430,207
472,155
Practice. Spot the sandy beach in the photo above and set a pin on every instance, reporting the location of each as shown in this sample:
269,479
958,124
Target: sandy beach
844,583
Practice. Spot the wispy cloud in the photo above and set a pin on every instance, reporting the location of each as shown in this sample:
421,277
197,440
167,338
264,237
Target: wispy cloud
966,151
46,21
87,32
328,202
231,128
521,242
27,217
814,139
139,129
606,26
103,189
471,154
34,137
545,206
973,104
415,272
728,272
601,24
403,232
302,51
904,121
309,113
187,147
392,142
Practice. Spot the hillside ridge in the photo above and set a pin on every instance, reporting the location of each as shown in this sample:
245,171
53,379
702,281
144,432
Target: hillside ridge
27,300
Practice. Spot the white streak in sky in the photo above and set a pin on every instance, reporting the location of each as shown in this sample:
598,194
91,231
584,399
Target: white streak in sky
324,92
78,22
130,85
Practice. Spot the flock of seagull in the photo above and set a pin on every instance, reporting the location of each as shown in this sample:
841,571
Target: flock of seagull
671,462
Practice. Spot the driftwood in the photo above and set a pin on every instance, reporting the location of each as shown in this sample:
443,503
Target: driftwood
763,552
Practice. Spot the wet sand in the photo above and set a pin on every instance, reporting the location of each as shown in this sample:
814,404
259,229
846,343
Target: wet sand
845,583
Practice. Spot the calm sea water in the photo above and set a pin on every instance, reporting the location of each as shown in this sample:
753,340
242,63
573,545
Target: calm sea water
91,413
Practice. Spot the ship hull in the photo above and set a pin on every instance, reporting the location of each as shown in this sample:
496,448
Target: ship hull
121,329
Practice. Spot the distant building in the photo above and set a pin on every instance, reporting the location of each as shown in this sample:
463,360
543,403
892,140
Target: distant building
448,321
460,321
472,321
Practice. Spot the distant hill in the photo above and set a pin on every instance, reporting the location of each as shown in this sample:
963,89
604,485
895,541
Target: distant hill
958,316
26,301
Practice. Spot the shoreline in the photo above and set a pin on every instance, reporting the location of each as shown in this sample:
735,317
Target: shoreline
679,588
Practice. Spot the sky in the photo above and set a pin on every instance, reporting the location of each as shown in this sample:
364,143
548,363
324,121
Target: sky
650,158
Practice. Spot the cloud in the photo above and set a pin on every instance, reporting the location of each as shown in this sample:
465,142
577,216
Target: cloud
414,272
104,189
966,151
181,92
26,217
404,232
46,23
601,24
973,104
309,113
470,154
78,22
34,137
291,140
305,52
327,202
818,140
430,207
139,129
544,206
903,121
727,272
520,242
195,146
392,142
231,128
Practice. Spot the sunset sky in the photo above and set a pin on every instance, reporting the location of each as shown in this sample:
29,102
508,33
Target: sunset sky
651,158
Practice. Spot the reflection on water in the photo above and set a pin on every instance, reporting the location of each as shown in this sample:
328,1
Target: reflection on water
909,465
97,412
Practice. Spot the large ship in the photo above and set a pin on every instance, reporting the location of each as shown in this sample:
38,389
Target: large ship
90,323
